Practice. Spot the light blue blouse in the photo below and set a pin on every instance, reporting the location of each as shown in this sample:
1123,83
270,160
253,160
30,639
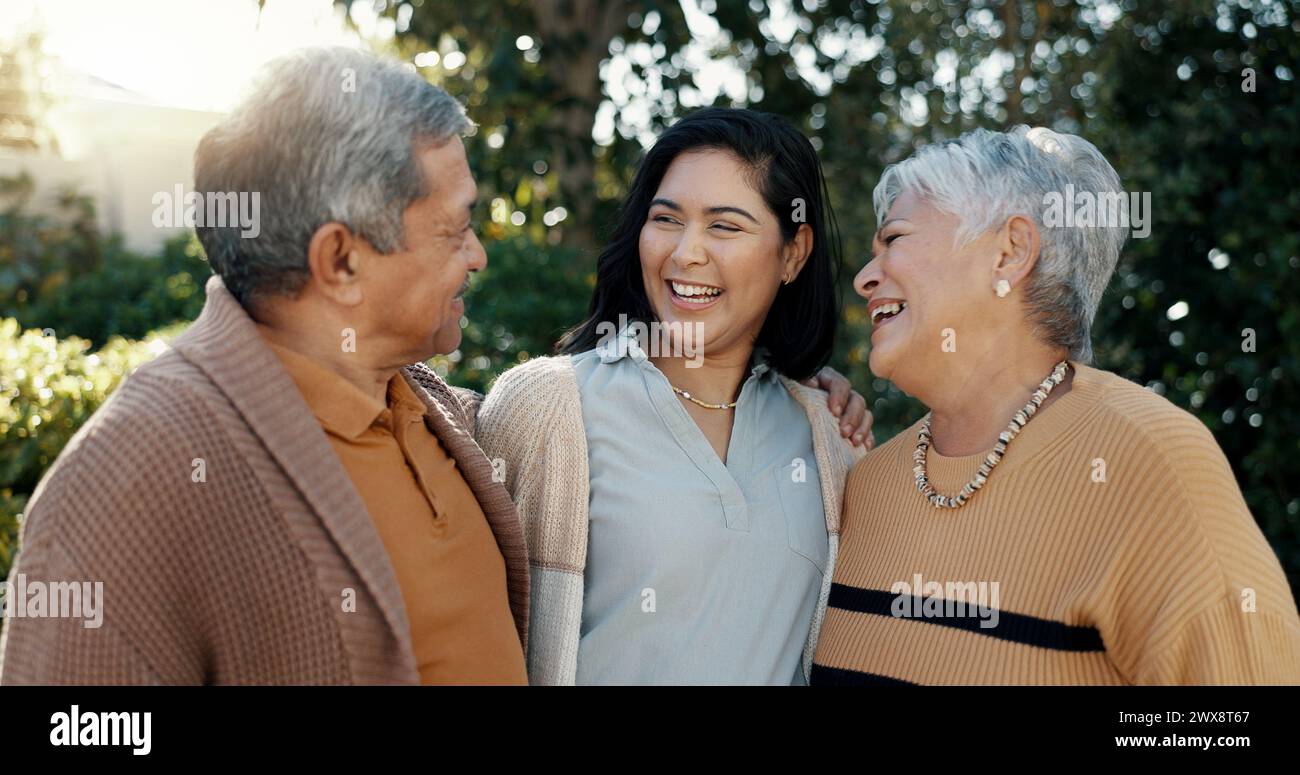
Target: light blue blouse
698,572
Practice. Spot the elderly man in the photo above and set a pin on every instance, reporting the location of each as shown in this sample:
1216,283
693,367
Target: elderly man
282,498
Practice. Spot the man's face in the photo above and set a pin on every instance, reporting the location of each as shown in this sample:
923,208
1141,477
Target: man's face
417,294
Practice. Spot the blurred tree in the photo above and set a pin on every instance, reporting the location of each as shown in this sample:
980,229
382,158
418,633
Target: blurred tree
530,74
24,100
1203,311
57,272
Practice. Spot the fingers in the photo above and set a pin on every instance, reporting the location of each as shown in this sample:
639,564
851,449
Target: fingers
862,435
848,405
837,385
855,423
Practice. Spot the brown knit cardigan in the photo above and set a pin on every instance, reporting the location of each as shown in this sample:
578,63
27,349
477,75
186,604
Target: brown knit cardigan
244,578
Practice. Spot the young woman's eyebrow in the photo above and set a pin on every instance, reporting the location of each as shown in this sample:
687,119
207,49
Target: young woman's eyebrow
710,211
730,209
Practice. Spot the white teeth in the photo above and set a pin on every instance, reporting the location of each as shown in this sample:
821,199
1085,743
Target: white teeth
687,291
892,308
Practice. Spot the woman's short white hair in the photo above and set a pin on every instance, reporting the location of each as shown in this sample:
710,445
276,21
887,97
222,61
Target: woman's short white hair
985,177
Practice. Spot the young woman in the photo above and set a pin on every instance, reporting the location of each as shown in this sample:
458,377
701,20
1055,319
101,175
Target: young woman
679,487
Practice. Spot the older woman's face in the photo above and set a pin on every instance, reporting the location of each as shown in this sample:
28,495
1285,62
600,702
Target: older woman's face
711,250
941,293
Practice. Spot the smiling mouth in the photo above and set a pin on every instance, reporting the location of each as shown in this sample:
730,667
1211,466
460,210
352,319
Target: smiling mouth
690,294
887,312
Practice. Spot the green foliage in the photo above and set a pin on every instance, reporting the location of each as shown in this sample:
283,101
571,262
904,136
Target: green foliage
536,107
40,252
57,273
1225,242
48,388
517,308
126,295
11,510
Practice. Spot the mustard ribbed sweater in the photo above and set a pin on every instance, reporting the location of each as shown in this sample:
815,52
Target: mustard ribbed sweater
1110,546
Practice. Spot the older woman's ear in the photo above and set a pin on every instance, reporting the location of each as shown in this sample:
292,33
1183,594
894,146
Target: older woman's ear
1019,245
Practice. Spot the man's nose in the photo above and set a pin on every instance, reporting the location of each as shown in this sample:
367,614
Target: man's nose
478,256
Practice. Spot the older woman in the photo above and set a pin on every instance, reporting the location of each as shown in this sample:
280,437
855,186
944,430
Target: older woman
1046,522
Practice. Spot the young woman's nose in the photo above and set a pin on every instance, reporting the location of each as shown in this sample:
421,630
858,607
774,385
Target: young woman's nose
690,249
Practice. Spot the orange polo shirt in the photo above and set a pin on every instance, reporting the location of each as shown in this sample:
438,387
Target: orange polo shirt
448,565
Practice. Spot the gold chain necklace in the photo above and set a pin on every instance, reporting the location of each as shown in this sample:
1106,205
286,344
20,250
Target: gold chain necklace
697,401
923,440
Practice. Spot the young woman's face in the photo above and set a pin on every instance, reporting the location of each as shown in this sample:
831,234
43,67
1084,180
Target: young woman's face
712,251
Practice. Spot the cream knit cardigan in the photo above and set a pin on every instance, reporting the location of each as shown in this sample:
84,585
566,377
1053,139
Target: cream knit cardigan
531,422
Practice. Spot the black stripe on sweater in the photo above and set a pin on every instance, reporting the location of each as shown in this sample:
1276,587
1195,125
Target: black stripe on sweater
835,676
1017,628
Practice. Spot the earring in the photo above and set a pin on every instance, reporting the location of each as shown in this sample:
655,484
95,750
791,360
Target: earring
1002,289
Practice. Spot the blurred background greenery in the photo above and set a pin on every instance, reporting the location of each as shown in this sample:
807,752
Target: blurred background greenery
1194,102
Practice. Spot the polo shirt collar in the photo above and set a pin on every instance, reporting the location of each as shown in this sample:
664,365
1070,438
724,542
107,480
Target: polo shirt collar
341,407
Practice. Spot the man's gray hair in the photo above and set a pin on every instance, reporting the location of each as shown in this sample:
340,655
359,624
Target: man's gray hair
327,134
986,177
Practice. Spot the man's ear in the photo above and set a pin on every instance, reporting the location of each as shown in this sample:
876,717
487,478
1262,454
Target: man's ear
1019,243
335,258
796,253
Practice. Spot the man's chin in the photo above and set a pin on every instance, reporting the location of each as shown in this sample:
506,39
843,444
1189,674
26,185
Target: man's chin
446,343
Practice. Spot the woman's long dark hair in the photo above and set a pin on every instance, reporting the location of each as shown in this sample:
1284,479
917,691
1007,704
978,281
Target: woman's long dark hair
799,331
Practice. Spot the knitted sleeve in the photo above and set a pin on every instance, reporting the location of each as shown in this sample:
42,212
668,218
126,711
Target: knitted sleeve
1198,596
1228,644
530,423
113,524
64,650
